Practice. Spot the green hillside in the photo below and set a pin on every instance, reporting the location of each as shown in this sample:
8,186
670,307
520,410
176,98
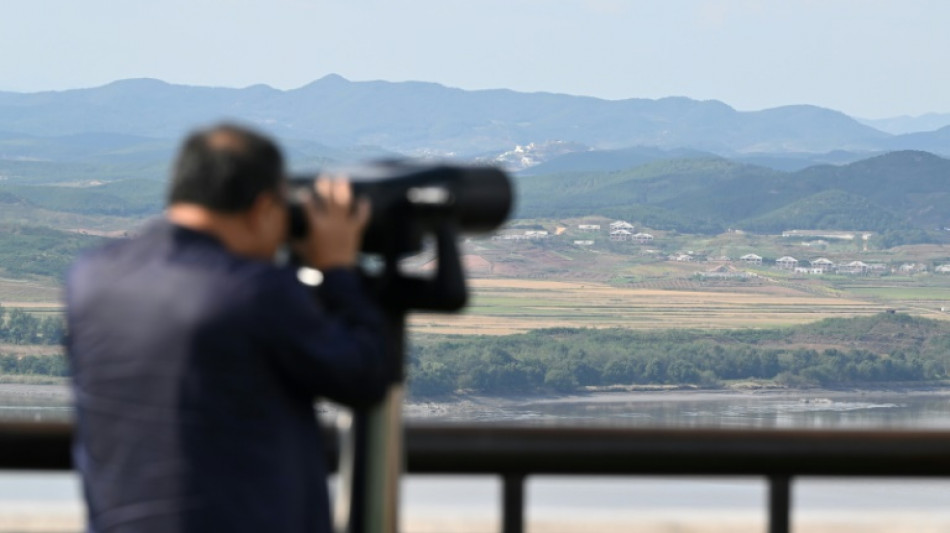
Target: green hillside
828,209
31,250
654,183
123,198
904,194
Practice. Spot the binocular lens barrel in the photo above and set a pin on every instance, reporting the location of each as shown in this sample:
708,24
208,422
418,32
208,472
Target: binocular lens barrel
409,200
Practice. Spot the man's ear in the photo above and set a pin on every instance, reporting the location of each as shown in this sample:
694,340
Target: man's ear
256,216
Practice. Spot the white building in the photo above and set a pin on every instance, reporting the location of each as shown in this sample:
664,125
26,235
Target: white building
822,264
621,224
787,263
621,235
751,259
854,268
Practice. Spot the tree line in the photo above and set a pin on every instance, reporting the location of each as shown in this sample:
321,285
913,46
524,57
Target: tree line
38,365
567,360
19,327
31,250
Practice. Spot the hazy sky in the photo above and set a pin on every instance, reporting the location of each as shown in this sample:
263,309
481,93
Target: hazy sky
868,58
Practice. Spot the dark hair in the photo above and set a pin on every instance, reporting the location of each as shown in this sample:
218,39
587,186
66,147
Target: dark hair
225,168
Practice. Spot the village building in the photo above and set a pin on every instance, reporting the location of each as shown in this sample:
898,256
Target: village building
509,235
621,235
683,258
584,243
725,272
515,235
787,263
942,269
643,238
854,268
751,259
827,234
589,227
809,270
822,265
911,268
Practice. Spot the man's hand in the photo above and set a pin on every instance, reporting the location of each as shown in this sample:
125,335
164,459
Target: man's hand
336,223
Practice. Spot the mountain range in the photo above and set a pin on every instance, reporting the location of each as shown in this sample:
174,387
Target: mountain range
418,118
673,163
902,196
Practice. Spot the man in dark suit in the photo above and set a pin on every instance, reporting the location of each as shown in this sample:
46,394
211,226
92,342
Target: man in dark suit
196,360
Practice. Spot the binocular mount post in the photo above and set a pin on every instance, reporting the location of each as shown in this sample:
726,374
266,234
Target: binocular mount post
371,457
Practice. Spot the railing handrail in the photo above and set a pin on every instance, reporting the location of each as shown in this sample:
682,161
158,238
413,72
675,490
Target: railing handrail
492,449
686,451
514,452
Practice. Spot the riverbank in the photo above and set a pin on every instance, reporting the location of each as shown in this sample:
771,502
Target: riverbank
664,405
475,408
46,389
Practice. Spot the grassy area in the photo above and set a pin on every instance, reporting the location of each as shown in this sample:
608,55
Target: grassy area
34,293
503,306
903,293
30,379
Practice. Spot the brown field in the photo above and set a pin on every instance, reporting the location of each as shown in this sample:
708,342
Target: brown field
501,306
27,293
505,306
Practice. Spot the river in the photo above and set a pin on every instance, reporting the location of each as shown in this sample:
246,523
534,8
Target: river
51,502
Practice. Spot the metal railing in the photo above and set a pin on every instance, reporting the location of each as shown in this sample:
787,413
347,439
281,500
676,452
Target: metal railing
515,453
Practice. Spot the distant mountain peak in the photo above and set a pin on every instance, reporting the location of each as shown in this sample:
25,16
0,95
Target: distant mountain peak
901,156
138,83
333,77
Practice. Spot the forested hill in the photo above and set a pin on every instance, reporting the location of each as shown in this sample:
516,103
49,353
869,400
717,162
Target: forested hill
885,348
83,158
905,191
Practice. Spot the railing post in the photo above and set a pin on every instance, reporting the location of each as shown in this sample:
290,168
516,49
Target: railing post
512,510
780,504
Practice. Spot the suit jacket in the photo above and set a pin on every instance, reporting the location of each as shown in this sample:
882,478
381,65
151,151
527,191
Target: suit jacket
195,372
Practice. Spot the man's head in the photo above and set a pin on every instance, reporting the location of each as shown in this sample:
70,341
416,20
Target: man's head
225,168
229,180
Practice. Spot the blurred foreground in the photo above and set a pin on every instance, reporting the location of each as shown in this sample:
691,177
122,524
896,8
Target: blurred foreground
49,503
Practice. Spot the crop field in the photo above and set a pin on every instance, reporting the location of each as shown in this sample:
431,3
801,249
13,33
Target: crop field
923,294
501,306
505,306
29,294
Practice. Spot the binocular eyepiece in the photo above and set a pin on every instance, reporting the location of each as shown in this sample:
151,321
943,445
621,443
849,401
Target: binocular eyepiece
411,199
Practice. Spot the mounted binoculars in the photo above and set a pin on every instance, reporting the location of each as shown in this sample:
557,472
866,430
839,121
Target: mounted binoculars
412,199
